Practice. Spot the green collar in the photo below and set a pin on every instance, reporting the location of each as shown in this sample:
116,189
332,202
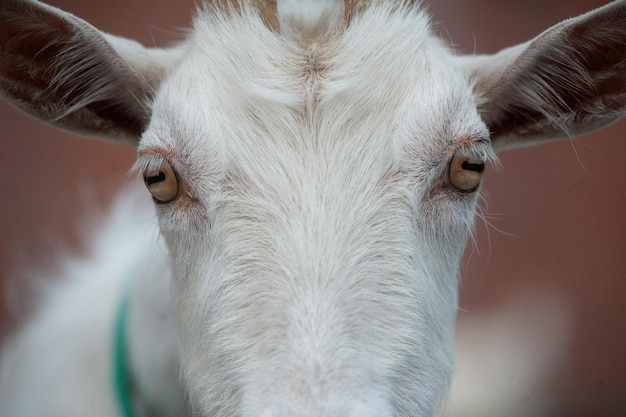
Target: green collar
121,383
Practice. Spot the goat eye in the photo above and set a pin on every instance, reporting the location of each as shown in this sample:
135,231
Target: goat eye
466,173
161,182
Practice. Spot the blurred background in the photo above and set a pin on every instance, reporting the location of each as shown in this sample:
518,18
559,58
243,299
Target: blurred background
551,250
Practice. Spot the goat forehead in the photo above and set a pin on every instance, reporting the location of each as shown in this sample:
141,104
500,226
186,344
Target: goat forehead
245,84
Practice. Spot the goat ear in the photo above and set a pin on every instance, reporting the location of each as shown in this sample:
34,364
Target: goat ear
569,80
65,72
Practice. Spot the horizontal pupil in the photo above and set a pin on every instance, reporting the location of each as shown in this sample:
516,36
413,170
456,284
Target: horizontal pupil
480,167
155,178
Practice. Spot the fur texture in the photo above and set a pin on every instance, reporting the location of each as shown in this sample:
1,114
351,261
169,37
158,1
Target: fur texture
309,258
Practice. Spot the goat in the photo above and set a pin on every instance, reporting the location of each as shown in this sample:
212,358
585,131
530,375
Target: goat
315,168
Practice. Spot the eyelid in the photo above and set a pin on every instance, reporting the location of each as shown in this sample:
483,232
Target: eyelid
152,158
475,148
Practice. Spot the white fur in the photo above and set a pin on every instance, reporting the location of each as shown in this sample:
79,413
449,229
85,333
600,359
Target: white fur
283,228
309,265
70,334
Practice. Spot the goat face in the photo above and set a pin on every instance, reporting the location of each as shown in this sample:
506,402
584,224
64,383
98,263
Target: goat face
315,177
314,230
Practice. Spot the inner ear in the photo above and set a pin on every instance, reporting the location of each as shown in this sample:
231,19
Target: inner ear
58,68
568,81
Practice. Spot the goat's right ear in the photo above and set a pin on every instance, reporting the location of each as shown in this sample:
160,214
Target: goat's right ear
569,80
59,69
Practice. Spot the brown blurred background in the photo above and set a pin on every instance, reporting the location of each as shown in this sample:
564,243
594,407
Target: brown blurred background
557,211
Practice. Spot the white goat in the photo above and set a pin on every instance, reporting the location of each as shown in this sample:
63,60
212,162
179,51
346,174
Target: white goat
315,169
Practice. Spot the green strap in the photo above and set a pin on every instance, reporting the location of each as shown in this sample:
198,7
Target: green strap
121,384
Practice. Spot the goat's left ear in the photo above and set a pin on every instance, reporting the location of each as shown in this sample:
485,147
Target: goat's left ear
569,80
63,71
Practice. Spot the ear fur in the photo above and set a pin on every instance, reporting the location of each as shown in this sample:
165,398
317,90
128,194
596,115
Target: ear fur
569,80
62,70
